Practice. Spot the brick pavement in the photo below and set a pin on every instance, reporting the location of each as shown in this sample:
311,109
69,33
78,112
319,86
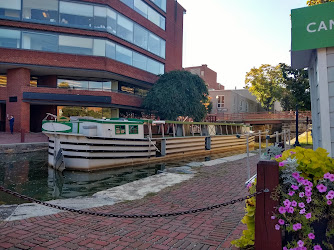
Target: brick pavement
8,138
207,230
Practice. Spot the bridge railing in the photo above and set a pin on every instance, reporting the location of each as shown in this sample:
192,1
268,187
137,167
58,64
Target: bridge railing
283,115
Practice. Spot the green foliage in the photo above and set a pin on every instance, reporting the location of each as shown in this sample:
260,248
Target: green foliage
178,93
315,2
297,88
82,111
312,164
265,83
248,235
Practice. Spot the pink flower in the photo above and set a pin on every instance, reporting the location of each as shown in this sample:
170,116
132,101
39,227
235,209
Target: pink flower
311,236
329,202
300,243
309,199
322,188
317,247
277,227
287,203
301,194
331,192
295,175
294,203
331,177
291,193
281,164
301,204
329,197
305,182
290,210
281,222
308,215
285,248
327,175
297,226
278,156
300,179
308,194
282,210
273,217
294,187
292,152
249,185
302,211
308,189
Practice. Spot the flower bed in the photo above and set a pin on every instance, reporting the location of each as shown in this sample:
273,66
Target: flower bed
306,195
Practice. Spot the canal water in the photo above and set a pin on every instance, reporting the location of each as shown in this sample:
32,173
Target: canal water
29,174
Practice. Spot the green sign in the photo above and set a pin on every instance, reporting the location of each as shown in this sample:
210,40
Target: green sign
313,27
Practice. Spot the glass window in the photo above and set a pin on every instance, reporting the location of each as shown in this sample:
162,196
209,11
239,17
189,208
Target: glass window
153,66
75,45
95,86
75,14
120,129
154,44
128,3
140,36
106,86
160,3
64,83
10,38
39,41
154,16
127,89
124,28
220,101
110,50
45,11
133,129
10,8
100,17
140,7
162,48
139,61
99,47
111,21
162,22
123,55
162,69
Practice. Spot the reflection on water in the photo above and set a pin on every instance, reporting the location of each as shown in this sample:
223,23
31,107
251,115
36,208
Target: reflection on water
29,174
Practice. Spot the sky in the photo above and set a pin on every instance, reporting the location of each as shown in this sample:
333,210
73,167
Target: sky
233,36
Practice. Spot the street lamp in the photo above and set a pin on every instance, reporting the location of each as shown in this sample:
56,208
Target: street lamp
296,142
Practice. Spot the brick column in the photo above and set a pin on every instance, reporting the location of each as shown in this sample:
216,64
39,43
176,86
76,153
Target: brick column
17,78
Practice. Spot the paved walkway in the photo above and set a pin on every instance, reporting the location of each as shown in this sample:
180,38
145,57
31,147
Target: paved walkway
207,230
8,138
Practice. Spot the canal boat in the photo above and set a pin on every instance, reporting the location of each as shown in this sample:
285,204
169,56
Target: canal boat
85,143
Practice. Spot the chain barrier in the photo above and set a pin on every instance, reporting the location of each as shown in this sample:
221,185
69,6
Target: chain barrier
24,197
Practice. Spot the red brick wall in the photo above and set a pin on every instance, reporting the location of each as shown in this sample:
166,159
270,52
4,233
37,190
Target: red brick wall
210,76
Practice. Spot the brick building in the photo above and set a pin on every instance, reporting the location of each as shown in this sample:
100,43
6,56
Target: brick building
208,75
89,53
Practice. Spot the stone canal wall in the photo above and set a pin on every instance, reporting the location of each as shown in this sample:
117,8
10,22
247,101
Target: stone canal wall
23,147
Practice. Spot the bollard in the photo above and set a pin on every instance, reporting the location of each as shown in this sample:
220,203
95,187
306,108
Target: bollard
266,236
22,135
277,136
248,164
260,146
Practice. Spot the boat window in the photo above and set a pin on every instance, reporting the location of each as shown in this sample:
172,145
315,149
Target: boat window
120,129
133,129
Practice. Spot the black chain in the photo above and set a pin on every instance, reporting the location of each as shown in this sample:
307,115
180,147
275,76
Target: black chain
24,197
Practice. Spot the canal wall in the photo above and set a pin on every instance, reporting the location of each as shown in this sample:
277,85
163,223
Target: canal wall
23,147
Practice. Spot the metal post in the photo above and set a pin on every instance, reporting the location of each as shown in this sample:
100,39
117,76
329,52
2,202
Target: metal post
162,130
226,129
307,130
284,139
266,139
297,142
192,129
260,139
149,130
277,139
248,167
289,139
173,130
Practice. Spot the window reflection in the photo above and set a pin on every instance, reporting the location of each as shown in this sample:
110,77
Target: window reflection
10,38
41,10
75,45
10,8
100,17
140,36
111,21
123,55
39,41
75,14
3,81
124,28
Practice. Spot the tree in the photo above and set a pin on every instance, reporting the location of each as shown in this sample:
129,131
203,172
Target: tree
265,83
315,2
178,93
297,88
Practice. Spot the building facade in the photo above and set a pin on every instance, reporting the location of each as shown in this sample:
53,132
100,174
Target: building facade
233,102
208,75
88,53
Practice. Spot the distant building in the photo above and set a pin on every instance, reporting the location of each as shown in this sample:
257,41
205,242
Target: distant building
208,75
234,101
